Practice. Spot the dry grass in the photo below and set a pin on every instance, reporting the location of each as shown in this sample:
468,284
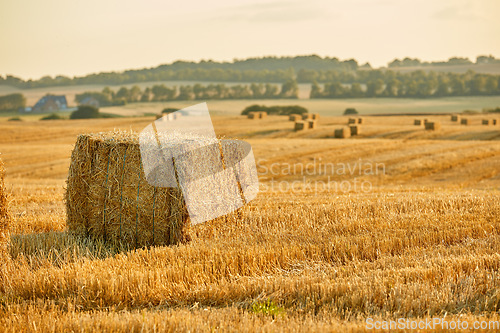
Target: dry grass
422,242
4,214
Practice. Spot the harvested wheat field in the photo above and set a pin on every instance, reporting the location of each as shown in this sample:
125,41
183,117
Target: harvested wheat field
397,222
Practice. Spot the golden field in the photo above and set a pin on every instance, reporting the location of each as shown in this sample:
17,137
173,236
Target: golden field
398,222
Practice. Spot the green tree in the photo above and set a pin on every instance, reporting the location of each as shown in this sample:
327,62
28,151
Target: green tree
350,111
356,90
316,91
290,89
85,112
185,93
12,102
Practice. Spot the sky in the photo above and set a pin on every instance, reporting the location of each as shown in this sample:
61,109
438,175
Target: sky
76,37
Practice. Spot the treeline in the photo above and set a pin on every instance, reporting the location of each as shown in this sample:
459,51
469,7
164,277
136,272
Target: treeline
418,84
12,102
304,69
161,93
415,62
265,69
276,109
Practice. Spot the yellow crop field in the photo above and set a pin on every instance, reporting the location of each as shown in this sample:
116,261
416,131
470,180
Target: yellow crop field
398,222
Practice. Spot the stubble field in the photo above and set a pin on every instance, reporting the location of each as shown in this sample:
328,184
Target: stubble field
399,222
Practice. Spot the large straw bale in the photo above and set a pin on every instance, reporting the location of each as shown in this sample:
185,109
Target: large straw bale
360,120
315,116
108,197
4,214
464,121
307,116
311,124
342,133
455,118
295,117
486,122
262,114
417,122
352,121
495,121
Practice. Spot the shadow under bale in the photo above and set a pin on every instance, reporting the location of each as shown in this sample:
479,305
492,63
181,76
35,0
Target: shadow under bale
58,248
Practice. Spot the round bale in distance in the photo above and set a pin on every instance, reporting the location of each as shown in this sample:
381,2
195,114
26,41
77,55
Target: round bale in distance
433,126
342,133
300,125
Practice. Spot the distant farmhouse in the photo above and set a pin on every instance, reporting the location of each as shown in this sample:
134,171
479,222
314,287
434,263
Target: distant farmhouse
91,101
50,103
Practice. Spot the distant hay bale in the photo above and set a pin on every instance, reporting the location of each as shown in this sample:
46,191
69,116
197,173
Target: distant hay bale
486,122
352,121
342,133
311,124
417,122
315,116
307,116
494,122
108,197
262,114
300,125
360,120
433,126
355,130
253,115
455,118
169,116
295,117
4,214
464,121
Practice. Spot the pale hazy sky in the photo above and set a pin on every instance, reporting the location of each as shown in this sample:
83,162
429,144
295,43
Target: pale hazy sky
76,37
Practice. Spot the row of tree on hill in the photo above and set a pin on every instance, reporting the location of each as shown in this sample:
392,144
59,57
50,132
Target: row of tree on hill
161,92
454,61
266,69
276,109
418,84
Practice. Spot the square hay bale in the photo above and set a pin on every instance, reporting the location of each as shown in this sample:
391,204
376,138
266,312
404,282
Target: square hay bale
464,121
4,215
486,122
300,125
342,133
295,117
315,116
262,114
494,122
307,116
417,122
355,130
253,115
433,126
311,124
455,118
108,197
360,120
352,121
